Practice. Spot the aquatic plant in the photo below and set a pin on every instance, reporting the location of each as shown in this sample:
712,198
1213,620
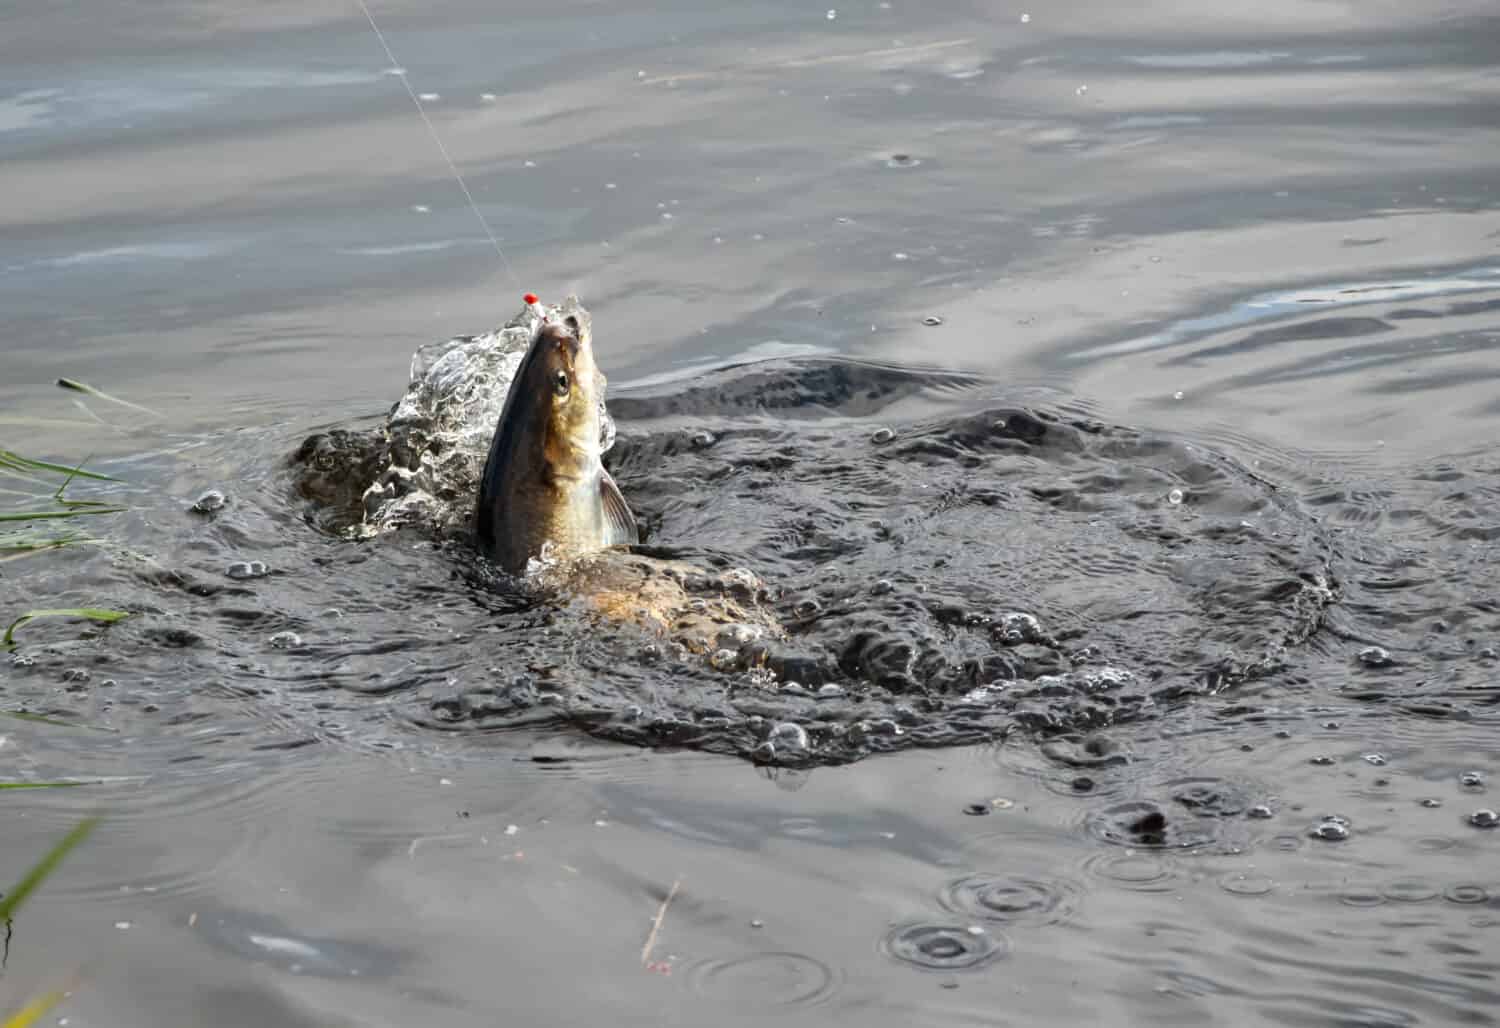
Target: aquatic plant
39,489
11,901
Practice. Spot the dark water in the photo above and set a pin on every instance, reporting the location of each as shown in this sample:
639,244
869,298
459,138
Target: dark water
1155,583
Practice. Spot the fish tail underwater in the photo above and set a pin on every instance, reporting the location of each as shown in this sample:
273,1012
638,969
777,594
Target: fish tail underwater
1011,539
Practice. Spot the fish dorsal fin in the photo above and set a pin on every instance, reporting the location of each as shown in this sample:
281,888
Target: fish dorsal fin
619,523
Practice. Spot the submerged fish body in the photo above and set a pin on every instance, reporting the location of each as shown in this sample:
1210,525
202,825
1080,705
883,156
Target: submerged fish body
544,493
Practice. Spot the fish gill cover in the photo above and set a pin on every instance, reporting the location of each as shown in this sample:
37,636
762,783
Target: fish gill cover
929,582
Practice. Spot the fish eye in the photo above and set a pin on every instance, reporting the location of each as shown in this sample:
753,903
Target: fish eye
560,383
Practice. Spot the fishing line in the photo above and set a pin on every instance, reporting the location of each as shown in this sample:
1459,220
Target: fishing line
401,71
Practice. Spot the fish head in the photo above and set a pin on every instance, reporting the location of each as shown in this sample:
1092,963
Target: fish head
567,388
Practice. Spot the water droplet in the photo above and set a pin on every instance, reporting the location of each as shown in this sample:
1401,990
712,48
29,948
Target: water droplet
666,216
832,14
902,160
1471,780
420,208
756,922
1177,395
488,98
1174,497
1484,819
830,692
123,925
897,256
285,641
881,436
1025,19
209,502
428,98
1322,761
1376,759
640,75
1431,803
932,321
1081,90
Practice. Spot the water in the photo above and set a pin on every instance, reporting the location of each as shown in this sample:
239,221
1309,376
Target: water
1140,501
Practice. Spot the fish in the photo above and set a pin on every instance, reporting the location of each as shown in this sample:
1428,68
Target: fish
544,495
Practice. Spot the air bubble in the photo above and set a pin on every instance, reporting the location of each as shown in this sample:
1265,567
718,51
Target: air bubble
1330,829
1484,819
209,502
832,14
1377,759
1025,19
932,321
1375,656
247,569
1471,780
285,641
881,436
1174,497
1260,812
788,736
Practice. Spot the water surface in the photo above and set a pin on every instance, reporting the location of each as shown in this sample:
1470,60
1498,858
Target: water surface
1247,260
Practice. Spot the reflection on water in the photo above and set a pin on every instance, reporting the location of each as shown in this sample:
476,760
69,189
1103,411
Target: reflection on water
1110,400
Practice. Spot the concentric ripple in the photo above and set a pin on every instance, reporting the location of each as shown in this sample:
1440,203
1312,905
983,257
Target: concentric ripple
944,947
1011,900
1138,872
765,981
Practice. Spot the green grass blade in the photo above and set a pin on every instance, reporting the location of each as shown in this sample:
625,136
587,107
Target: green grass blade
16,462
92,613
72,512
41,785
88,390
12,900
